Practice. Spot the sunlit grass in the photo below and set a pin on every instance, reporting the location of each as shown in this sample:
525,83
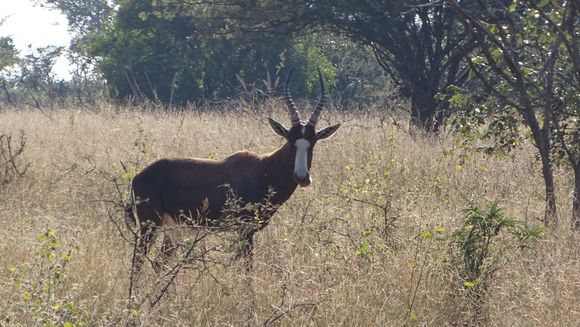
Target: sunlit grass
345,251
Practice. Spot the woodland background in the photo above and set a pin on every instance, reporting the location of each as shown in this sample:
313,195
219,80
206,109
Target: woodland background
451,195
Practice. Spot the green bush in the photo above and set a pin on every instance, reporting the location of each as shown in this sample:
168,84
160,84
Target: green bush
479,248
43,298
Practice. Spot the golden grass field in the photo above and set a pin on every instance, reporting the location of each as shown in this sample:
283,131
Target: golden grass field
346,251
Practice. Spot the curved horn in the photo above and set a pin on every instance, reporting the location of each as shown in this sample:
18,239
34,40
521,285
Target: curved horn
294,117
321,101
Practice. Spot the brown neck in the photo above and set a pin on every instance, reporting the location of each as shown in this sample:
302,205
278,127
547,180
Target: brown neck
279,167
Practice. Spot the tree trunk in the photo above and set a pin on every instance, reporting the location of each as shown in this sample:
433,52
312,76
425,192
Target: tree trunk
423,109
550,215
542,138
576,199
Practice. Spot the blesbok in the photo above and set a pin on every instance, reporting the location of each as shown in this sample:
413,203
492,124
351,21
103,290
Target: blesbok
196,191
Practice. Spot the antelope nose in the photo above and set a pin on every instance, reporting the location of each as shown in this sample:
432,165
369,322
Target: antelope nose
303,181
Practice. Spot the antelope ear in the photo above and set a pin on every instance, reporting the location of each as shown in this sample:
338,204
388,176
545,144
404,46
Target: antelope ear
326,132
278,128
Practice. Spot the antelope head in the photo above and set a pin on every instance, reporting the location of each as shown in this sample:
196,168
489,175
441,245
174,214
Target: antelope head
302,137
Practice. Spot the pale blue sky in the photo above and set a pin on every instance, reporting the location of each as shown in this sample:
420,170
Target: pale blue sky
34,26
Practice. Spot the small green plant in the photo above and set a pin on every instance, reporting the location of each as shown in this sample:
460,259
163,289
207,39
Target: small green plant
428,244
374,192
479,249
44,299
141,143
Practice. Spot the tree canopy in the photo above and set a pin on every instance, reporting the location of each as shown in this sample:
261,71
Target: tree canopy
420,46
174,53
528,61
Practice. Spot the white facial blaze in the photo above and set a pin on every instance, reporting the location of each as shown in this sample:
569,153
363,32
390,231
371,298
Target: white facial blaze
301,162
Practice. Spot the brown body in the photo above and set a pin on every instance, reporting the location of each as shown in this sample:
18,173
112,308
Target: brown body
179,187
200,191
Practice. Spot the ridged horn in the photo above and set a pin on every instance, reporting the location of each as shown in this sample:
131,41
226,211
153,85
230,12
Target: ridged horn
321,101
294,117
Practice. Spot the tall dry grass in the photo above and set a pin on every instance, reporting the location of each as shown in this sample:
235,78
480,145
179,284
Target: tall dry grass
345,251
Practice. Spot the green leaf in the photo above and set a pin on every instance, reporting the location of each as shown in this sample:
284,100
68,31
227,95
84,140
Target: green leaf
496,54
367,232
468,284
127,177
66,257
458,100
134,313
426,234
365,247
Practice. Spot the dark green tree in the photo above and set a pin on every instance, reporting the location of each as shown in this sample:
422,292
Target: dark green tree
528,62
155,50
420,45
36,84
8,58
350,71
86,18
8,53
173,52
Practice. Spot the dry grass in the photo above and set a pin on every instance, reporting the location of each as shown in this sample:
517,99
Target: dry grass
306,269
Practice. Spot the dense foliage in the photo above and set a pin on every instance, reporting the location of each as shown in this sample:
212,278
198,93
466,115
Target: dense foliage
172,53
528,62
420,46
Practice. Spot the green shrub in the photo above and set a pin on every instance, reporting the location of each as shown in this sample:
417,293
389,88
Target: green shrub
479,248
44,299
